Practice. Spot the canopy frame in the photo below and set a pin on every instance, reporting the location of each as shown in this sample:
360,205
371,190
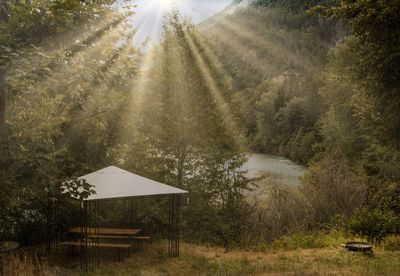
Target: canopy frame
90,207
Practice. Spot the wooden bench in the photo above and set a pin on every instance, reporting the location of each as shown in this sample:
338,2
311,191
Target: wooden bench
138,241
105,231
91,244
119,246
142,238
108,237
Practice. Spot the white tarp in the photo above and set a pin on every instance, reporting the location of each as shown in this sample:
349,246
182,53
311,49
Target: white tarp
113,182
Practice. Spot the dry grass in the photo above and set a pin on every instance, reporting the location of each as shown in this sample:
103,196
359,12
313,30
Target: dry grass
204,260
208,260
27,263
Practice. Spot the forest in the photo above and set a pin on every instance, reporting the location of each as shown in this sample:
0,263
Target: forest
314,81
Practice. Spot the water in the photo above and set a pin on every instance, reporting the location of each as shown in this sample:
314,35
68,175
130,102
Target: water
283,170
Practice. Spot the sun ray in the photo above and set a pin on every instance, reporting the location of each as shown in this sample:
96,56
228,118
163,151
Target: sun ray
246,42
65,72
65,46
221,103
139,86
201,42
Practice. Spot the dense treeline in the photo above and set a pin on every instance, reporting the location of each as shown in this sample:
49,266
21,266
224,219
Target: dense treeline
275,56
320,85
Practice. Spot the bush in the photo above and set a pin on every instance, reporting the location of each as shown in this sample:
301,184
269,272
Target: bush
373,225
333,187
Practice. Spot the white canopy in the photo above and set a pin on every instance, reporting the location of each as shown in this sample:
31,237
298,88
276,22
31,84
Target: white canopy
113,182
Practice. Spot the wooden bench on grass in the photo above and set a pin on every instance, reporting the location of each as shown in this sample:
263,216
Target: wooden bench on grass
119,246
136,240
109,237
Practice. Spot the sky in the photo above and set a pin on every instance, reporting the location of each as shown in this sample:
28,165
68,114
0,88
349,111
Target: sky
149,14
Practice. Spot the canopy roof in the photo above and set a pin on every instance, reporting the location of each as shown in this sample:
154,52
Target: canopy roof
113,182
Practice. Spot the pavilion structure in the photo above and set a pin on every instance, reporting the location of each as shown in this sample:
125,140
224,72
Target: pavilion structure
113,184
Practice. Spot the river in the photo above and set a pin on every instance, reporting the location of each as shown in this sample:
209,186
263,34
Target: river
281,169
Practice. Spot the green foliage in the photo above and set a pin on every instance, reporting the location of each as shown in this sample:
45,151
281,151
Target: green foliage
289,4
77,188
274,64
361,94
31,22
373,225
56,56
183,135
376,71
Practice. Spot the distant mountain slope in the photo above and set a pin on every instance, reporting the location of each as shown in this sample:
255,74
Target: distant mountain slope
274,53
268,38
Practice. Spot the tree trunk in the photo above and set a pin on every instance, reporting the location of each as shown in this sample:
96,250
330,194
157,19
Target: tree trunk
3,10
3,99
181,165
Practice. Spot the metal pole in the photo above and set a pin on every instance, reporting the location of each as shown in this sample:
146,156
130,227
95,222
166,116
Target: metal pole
98,234
170,226
48,224
88,205
84,258
173,225
178,220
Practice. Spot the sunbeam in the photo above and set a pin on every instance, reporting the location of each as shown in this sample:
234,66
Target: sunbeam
221,104
245,42
65,81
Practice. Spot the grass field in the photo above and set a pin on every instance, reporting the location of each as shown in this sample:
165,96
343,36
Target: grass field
202,260
290,256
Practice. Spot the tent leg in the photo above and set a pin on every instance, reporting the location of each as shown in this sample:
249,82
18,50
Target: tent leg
98,233
174,220
84,260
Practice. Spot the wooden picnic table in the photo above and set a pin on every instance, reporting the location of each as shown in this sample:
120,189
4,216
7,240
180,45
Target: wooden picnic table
106,231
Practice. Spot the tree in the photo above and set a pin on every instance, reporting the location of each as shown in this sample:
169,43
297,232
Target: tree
364,101
69,66
374,24
181,136
32,24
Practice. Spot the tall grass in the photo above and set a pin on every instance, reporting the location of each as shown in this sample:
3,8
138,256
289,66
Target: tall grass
24,263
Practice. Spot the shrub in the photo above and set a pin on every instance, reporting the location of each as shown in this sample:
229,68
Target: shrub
333,187
373,225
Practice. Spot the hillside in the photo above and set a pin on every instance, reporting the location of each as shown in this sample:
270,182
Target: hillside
274,53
